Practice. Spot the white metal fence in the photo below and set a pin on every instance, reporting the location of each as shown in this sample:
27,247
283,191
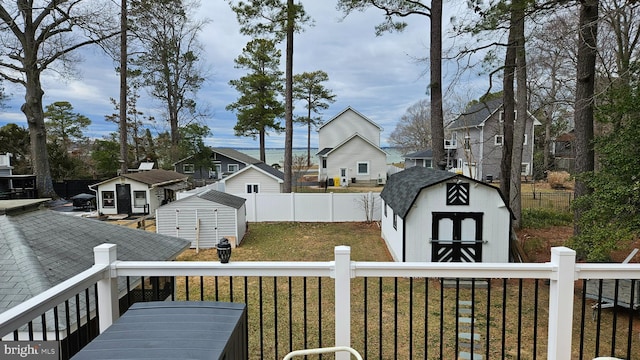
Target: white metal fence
313,207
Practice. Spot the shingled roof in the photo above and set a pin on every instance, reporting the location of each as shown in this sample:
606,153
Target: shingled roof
219,197
40,249
476,114
402,188
156,176
236,155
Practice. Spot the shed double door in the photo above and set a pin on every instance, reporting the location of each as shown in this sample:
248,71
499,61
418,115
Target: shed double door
456,237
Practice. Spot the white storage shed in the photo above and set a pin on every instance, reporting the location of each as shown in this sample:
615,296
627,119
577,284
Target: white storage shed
440,216
204,219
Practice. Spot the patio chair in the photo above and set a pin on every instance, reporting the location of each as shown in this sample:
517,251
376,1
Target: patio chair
323,351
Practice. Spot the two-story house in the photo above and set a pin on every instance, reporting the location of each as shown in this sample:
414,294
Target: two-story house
349,150
476,140
224,162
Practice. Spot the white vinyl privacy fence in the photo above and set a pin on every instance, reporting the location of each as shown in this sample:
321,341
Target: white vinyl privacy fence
303,207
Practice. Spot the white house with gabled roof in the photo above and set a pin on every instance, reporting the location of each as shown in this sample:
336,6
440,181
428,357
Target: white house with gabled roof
349,150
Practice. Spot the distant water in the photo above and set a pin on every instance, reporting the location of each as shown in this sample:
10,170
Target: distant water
274,156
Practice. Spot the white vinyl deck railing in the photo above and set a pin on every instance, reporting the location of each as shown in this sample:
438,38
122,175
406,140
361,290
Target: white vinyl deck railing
562,273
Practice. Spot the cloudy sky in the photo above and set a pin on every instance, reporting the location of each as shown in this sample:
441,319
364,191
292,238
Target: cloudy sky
378,76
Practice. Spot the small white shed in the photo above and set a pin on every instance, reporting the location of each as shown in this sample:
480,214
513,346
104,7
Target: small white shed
204,219
440,216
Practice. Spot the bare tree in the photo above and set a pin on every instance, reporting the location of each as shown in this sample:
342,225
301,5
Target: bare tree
413,131
37,37
299,166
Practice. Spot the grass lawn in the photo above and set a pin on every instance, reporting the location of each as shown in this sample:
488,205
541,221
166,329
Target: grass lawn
392,316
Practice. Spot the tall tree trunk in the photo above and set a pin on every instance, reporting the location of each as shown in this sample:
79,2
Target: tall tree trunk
508,107
585,86
32,108
124,153
309,136
435,62
547,140
520,124
263,154
288,99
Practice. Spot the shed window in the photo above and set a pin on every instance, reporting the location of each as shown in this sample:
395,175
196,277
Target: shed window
188,168
139,198
108,199
232,167
363,168
253,188
324,163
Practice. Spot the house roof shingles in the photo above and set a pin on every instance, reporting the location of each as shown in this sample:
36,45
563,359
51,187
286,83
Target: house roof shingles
270,170
475,114
236,155
157,176
402,188
40,249
422,154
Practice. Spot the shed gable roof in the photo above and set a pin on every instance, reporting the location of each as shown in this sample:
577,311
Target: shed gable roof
263,168
222,198
402,188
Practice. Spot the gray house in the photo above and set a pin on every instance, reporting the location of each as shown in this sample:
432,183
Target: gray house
476,139
224,162
419,158
40,248
440,216
204,219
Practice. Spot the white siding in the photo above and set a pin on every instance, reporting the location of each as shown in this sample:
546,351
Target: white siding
216,221
237,184
391,236
154,196
342,127
354,151
495,226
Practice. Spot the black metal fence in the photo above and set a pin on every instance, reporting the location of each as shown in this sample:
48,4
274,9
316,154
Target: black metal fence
557,201
392,318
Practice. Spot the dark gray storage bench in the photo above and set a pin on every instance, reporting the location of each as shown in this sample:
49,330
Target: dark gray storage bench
174,330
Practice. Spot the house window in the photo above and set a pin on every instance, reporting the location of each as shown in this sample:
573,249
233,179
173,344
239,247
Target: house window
139,198
499,140
253,188
188,168
108,199
524,169
467,142
458,194
324,163
501,116
525,140
427,163
395,220
232,167
363,168
384,205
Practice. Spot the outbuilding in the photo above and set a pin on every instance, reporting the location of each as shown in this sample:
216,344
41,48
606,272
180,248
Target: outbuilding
204,219
440,216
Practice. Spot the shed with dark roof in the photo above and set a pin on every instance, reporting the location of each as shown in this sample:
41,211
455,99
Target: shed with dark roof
138,193
440,216
204,219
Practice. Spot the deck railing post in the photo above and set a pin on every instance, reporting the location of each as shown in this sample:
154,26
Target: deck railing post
108,307
342,277
561,295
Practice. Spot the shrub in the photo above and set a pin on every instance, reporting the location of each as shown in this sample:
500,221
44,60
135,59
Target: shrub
541,218
559,180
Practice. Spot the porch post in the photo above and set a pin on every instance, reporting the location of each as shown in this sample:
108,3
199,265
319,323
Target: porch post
342,276
561,295
108,305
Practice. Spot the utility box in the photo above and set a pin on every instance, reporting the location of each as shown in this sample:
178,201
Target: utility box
174,330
